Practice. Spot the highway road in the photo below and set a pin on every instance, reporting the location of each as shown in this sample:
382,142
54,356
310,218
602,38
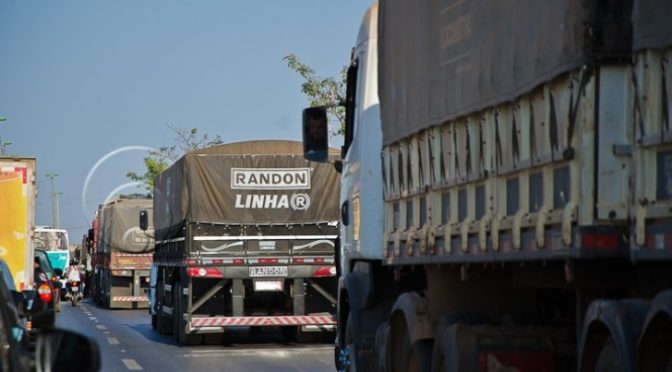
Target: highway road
127,342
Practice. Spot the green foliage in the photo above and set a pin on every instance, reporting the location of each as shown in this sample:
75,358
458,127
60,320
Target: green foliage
158,160
322,91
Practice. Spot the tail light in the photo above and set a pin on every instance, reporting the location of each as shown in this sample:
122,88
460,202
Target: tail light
45,293
74,284
325,271
204,272
600,241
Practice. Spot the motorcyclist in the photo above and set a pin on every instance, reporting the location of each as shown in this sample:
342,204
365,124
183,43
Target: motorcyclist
73,273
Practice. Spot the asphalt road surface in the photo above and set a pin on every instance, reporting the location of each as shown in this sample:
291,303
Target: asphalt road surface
128,343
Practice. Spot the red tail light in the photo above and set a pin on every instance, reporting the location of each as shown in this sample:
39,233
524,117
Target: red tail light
600,241
203,272
45,293
325,271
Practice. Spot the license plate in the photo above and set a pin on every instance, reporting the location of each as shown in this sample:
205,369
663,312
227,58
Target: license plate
268,271
268,285
75,289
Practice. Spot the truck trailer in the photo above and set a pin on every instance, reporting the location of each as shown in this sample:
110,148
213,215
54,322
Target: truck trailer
245,236
511,164
122,254
17,217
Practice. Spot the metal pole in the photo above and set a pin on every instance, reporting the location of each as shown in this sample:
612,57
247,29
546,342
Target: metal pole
54,200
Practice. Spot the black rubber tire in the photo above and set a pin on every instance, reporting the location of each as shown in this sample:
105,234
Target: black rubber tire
163,322
416,357
154,321
294,334
73,300
608,359
183,338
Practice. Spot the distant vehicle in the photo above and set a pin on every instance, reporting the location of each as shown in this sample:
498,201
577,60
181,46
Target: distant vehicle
55,243
245,236
68,350
507,187
121,254
17,217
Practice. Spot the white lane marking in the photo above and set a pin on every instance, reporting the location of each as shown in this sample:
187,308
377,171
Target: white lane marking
101,327
112,341
132,365
92,317
107,332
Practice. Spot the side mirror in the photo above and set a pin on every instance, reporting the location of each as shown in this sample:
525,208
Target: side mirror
31,303
144,220
90,234
61,350
315,134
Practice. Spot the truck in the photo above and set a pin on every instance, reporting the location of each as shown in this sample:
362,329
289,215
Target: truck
17,217
245,236
122,254
511,164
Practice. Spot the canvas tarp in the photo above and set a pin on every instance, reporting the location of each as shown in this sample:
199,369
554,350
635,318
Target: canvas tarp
119,227
255,182
441,59
652,26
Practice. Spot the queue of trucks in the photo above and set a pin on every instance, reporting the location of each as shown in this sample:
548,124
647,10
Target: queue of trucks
510,165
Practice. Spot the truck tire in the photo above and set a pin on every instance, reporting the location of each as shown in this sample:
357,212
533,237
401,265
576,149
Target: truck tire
154,321
182,337
163,322
295,334
416,356
608,360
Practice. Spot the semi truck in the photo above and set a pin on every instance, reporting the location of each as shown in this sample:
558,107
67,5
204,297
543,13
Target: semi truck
122,254
245,236
511,164
17,217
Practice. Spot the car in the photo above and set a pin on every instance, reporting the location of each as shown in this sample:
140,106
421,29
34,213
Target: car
69,350
47,278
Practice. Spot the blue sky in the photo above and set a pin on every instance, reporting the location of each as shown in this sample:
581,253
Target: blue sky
79,79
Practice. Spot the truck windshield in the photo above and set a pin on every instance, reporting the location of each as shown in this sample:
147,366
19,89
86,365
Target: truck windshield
51,240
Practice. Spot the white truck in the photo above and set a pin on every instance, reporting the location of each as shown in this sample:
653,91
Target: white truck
506,187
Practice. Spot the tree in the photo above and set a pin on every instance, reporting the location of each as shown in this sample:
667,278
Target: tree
158,160
322,91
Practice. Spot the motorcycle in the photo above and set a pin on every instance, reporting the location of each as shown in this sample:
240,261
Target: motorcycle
74,292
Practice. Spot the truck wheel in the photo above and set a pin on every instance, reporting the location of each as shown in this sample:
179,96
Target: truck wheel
352,358
154,321
410,357
608,360
181,335
295,334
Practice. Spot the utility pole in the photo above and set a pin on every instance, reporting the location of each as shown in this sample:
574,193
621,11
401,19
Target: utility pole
3,144
54,200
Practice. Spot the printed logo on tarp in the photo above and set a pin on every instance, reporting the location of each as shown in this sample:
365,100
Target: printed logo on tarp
271,179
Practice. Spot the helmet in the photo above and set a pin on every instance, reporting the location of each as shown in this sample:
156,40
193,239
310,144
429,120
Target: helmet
73,261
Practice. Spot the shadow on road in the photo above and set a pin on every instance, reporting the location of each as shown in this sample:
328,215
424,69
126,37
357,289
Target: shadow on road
268,338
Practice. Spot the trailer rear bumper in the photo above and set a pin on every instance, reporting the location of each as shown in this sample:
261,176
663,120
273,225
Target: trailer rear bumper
218,323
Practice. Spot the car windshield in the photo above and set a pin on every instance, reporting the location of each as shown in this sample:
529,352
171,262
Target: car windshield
51,240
